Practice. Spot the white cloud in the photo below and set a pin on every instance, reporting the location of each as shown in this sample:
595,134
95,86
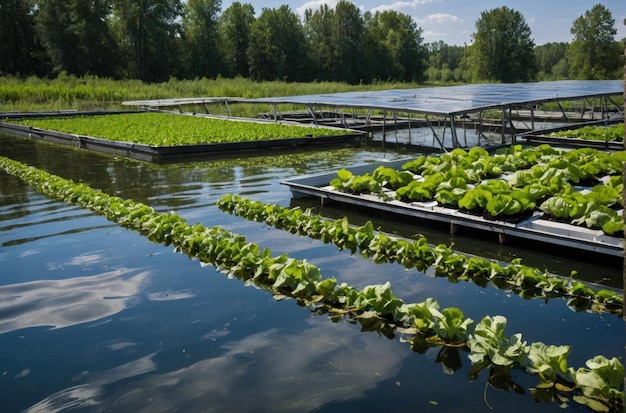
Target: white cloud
401,5
394,6
440,18
315,5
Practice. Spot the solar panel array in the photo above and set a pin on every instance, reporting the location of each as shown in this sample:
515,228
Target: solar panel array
459,99
445,100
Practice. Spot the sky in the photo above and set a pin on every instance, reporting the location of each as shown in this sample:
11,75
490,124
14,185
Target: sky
453,21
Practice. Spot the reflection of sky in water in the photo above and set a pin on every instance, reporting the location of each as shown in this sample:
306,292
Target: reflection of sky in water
261,372
63,303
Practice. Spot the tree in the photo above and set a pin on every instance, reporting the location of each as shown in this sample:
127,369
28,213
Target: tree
502,48
53,24
336,41
277,48
551,60
594,53
234,28
147,33
377,57
444,62
401,39
348,33
21,51
76,36
200,34
318,28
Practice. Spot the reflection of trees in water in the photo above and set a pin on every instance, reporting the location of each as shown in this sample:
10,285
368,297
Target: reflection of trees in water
12,191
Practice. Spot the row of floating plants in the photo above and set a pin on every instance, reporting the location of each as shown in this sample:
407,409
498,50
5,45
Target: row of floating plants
613,133
580,187
166,129
528,282
599,385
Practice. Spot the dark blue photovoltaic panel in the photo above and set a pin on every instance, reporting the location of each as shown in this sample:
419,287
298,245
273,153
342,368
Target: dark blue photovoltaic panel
459,99
448,100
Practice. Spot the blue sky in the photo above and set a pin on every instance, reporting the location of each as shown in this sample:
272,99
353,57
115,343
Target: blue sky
453,20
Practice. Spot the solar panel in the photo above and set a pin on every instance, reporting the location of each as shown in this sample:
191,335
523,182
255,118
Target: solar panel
453,100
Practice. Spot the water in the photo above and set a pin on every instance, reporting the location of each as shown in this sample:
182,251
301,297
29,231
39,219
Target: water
94,317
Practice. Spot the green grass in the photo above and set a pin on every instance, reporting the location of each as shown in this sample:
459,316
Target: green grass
163,129
87,93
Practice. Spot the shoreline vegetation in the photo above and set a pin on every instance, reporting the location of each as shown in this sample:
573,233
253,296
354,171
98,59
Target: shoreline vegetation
68,92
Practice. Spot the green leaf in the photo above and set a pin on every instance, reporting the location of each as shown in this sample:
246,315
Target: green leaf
601,380
452,325
547,361
488,341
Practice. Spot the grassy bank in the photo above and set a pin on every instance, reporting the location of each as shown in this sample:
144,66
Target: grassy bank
86,93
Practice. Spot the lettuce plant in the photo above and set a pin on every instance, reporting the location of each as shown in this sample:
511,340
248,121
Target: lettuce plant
488,343
599,383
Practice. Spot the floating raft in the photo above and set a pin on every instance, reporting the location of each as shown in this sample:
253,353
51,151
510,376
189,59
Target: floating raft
535,227
165,154
543,137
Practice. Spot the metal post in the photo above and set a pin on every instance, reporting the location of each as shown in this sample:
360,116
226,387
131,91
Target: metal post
432,128
384,132
502,124
455,140
395,127
409,117
312,113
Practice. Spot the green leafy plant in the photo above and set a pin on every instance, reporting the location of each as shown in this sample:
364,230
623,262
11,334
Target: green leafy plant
163,129
389,177
508,204
488,344
452,326
599,383
356,184
525,281
548,362
594,133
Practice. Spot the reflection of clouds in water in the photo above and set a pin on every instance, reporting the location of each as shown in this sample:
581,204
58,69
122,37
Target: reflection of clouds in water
86,259
88,395
82,260
169,295
29,253
62,303
121,345
268,371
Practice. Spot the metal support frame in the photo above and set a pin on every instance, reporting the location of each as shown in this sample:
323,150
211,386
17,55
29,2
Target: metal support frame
618,107
435,136
455,139
311,111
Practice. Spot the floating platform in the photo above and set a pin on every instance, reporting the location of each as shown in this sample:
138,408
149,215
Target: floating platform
543,137
534,228
169,154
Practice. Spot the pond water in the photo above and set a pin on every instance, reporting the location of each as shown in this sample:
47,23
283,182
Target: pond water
94,317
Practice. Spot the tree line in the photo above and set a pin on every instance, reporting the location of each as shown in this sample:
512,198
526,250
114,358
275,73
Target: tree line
154,40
